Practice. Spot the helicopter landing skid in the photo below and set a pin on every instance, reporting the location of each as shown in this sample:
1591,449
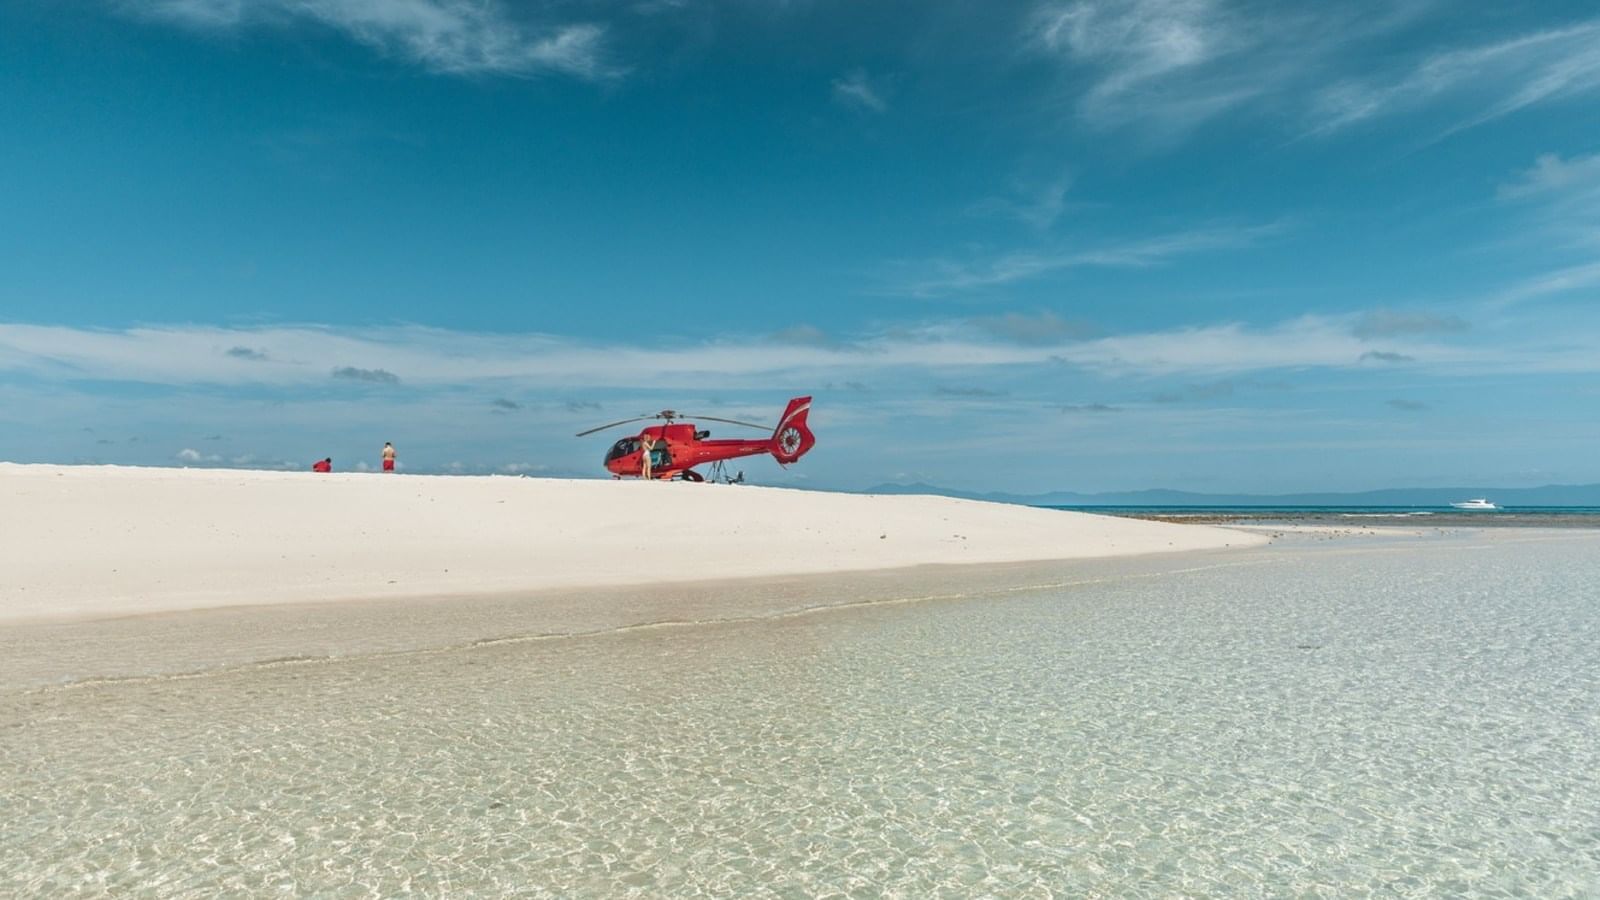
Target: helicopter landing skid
719,475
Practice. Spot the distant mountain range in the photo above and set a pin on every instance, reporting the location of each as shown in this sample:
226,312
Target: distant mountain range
1549,495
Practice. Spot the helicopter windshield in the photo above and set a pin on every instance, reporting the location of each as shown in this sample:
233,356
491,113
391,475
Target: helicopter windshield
622,448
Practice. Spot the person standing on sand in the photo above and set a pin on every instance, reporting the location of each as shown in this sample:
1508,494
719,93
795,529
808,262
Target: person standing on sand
648,444
388,457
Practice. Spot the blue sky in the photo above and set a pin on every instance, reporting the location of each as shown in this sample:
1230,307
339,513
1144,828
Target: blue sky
1015,246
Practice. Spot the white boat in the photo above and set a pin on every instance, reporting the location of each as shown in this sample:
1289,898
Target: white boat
1475,503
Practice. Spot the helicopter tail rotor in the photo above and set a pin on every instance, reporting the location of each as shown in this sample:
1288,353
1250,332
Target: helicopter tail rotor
792,438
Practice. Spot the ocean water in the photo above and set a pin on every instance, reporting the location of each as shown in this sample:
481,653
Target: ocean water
1412,717
1352,516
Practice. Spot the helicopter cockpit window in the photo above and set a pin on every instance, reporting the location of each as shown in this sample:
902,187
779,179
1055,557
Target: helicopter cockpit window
623,448
702,435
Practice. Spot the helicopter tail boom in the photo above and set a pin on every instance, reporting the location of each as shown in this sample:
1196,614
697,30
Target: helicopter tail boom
792,438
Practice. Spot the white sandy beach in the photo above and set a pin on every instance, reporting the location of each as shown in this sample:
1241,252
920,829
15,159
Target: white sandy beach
107,541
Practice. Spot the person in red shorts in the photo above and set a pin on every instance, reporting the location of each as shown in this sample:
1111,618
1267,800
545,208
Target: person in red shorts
323,465
388,457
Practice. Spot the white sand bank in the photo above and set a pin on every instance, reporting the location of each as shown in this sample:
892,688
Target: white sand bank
98,541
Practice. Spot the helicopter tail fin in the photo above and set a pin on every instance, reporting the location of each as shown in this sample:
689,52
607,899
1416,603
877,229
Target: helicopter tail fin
791,439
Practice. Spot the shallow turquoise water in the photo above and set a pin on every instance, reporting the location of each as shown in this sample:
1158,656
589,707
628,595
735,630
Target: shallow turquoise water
1321,721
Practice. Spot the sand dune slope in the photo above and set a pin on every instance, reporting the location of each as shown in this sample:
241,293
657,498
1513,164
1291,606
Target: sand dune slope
94,541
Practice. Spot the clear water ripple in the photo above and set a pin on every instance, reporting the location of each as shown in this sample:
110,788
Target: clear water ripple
1322,724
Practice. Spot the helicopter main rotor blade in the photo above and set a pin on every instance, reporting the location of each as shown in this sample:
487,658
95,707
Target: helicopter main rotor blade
613,425
729,421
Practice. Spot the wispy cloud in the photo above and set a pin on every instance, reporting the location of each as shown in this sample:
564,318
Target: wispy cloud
247,353
371,376
1552,175
1093,408
199,13
943,277
1041,329
1497,79
191,455
1556,202
1038,204
1383,323
463,37
1192,392
968,393
1171,65
1233,348
1147,37
1561,199
803,335
522,468
858,91
656,7
1139,47
432,359
1557,281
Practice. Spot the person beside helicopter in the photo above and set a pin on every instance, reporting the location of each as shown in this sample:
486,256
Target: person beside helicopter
647,447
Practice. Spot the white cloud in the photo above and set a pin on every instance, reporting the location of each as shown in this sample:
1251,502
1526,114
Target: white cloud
803,334
1557,208
1559,281
1170,65
1552,175
433,359
522,468
1038,204
1559,198
305,355
857,90
197,13
1497,79
1040,328
1323,342
1221,349
1137,42
1562,196
1387,323
942,277
252,461
452,36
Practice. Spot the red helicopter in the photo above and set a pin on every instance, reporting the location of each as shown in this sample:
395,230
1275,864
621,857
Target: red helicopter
680,446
